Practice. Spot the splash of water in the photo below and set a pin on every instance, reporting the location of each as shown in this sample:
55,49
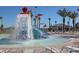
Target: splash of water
23,28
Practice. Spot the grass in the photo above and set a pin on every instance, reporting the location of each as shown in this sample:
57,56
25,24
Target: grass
77,29
8,32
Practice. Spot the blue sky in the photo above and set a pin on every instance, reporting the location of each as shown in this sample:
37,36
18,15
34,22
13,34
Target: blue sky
9,13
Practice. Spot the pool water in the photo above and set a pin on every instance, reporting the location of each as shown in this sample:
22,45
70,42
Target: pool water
50,40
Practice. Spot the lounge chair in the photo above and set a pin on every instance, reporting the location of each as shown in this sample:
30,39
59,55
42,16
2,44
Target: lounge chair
52,50
70,49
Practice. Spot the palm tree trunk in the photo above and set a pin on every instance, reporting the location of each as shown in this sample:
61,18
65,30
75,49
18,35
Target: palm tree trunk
34,22
39,23
69,24
73,25
49,23
63,25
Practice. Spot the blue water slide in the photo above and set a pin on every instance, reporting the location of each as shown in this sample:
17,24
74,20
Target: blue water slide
37,33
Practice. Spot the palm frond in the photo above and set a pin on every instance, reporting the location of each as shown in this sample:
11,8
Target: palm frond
62,13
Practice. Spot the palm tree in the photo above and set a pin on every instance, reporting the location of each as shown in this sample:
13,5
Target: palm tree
69,15
1,24
35,22
63,13
56,25
49,21
39,21
68,23
50,26
73,16
2,27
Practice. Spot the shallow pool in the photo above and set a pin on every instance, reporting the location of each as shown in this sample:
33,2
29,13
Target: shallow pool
50,40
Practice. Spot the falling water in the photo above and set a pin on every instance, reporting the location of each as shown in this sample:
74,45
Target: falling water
23,28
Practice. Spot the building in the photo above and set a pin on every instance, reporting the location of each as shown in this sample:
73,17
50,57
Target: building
77,26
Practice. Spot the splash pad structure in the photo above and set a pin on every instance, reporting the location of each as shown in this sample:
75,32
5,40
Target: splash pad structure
26,35
23,28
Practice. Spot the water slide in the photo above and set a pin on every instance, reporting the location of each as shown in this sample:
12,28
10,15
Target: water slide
37,33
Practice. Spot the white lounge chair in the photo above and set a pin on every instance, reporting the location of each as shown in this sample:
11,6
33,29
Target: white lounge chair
70,49
52,50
